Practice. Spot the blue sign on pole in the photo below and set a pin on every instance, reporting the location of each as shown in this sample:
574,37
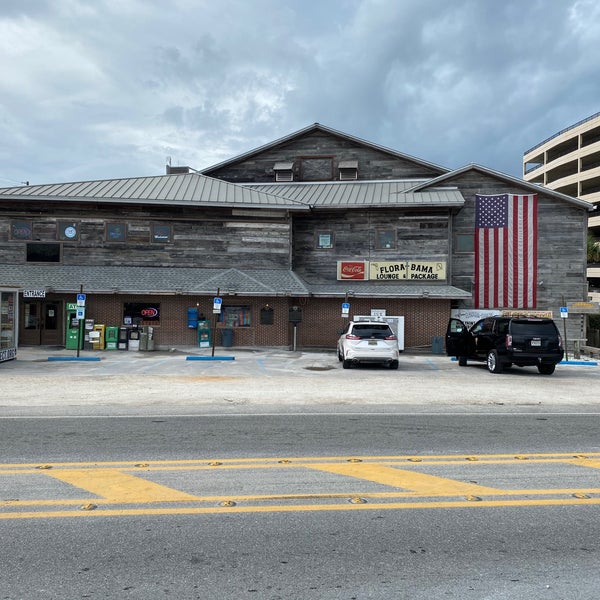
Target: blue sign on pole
217,302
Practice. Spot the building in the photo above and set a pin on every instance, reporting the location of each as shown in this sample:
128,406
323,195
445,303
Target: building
287,235
569,162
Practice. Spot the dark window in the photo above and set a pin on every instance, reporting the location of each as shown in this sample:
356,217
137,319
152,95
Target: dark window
372,331
385,238
161,233
21,230
43,253
235,316
116,232
533,328
68,231
465,242
140,313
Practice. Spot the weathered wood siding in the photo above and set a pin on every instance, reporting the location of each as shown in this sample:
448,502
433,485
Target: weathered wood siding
420,235
323,152
213,239
562,230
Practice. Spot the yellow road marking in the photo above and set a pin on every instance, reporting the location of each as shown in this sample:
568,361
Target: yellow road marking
410,480
300,508
593,464
119,487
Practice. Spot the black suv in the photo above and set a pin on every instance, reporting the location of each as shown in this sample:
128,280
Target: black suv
505,341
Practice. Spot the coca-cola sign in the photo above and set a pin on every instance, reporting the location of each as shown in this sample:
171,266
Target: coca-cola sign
352,269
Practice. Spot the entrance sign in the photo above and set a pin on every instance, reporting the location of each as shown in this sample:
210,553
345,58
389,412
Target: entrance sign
34,293
408,269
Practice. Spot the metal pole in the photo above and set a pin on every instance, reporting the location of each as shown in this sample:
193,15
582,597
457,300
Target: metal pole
295,337
214,325
79,324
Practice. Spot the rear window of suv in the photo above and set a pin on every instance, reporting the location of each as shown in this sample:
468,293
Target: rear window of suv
372,331
534,328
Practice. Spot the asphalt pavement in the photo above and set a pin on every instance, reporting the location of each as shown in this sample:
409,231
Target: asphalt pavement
57,381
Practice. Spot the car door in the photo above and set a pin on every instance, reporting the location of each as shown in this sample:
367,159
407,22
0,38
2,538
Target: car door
459,341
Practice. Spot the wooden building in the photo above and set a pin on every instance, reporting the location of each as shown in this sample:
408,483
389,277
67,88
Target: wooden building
299,226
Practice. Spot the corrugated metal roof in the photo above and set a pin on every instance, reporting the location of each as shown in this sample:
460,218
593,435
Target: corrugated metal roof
366,289
184,189
340,194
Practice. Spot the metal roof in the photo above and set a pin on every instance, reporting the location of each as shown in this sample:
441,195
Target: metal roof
367,289
191,189
356,194
519,183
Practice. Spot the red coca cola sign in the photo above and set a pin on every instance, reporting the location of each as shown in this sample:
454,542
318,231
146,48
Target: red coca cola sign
352,270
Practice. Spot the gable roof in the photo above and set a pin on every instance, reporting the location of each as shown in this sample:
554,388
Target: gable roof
322,128
190,189
521,183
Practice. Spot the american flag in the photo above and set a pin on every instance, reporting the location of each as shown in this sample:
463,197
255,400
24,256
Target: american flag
505,251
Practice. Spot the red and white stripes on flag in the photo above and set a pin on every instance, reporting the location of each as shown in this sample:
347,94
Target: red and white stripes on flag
505,251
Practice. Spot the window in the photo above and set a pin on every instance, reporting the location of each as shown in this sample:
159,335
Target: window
348,170
43,253
465,242
68,231
284,171
161,234
115,232
21,230
235,316
324,239
141,313
385,238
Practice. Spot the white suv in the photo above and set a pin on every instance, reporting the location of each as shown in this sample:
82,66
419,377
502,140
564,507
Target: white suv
368,342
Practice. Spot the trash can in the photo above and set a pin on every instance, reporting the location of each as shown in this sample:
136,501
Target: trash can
227,338
437,344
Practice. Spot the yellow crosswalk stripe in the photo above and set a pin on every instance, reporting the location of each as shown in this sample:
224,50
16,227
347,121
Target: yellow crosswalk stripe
117,486
421,483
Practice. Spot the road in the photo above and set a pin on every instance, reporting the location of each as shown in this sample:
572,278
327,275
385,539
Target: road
315,502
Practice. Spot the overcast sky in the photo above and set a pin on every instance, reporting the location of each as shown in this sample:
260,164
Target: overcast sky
100,89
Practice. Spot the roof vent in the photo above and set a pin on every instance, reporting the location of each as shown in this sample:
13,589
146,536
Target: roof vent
348,170
284,171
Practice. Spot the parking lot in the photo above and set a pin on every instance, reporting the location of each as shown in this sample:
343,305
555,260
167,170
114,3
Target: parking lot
241,377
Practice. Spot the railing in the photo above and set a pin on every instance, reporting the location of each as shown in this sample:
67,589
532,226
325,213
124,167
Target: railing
561,132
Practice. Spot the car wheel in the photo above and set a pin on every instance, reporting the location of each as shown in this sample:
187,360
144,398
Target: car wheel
347,364
462,361
546,369
394,364
493,362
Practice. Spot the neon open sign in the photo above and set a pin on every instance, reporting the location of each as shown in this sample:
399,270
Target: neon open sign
149,313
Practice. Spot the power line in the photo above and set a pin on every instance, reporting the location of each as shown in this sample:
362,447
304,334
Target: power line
13,181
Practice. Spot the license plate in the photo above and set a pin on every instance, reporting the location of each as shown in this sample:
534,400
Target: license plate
537,342
372,342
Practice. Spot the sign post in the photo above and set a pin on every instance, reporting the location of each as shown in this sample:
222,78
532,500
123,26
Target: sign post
80,317
564,314
217,305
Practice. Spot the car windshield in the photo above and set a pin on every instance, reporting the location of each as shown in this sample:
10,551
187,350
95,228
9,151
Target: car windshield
533,328
372,331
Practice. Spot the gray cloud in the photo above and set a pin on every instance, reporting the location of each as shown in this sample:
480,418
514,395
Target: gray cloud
111,88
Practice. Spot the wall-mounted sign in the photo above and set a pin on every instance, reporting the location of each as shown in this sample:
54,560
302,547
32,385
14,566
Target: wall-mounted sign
583,307
352,269
407,269
34,293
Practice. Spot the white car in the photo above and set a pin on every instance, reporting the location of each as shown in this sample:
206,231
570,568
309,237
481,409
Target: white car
368,342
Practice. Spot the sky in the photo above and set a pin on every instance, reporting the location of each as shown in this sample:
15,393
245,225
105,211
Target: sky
103,89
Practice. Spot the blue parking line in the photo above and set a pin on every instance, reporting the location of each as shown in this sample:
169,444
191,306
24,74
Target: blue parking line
210,358
432,365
